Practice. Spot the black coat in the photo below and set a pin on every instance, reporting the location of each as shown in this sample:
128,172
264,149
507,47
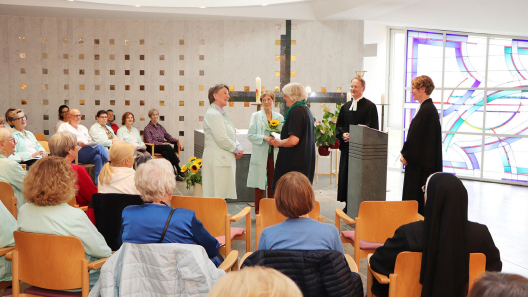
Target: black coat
317,273
410,238
423,151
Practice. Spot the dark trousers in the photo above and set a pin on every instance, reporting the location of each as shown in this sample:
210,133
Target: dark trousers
259,194
168,153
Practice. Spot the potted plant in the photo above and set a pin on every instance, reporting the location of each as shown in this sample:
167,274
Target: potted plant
193,175
325,136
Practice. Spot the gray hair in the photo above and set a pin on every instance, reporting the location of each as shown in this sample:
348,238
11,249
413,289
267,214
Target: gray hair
151,112
5,133
295,91
61,143
155,179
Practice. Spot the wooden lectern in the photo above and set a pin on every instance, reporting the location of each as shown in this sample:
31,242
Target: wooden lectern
367,167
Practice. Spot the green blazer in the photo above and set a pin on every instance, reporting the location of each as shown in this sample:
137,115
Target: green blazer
98,134
20,147
259,153
11,172
218,160
125,135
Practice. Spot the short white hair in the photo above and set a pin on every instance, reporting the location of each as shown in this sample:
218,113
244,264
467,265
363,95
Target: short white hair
295,91
155,180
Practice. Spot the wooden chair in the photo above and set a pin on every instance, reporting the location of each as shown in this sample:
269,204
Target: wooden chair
7,196
45,145
212,212
88,167
55,263
40,136
376,221
3,252
269,216
405,281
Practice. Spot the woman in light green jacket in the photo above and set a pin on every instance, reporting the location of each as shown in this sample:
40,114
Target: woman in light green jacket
131,135
10,171
27,146
8,225
100,132
221,149
263,155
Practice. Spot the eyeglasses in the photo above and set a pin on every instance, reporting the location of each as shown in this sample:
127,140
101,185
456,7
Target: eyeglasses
423,188
103,117
76,115
21,118
11,139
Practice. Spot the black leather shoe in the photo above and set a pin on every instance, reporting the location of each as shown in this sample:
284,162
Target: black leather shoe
179,178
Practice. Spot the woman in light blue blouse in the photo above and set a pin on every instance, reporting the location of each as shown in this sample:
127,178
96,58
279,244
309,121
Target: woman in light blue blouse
27,146
8,225
100,132
10,171
48,187
131,135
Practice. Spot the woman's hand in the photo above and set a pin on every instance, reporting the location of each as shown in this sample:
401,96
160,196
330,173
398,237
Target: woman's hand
239,155
275,142
180,145
269,139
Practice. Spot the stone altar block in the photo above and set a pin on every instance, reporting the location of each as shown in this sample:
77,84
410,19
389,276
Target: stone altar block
367,167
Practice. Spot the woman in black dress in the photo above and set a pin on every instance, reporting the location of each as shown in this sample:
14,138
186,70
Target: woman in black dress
297,143
445,237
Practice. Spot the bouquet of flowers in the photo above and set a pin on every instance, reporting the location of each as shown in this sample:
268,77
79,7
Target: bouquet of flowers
193,172
325,129
274,126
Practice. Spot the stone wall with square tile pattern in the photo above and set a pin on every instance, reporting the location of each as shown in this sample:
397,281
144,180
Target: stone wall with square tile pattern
136,65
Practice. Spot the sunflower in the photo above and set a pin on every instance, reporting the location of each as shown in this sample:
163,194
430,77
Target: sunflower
198,162
194,168
274,123
191,159
184,168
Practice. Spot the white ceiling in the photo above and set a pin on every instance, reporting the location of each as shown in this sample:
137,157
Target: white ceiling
480,16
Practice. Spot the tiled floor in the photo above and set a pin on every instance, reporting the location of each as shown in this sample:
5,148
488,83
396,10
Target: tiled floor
503,208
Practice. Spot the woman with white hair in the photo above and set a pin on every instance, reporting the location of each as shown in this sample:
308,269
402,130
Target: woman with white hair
64,145
117,176
297,143
155,221
10,171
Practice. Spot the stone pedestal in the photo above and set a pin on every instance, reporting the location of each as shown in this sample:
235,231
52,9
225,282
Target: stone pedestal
367,167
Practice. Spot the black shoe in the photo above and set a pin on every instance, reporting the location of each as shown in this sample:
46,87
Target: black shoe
179,178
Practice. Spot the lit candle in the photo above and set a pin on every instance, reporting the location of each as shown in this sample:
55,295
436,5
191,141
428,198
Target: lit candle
257,82
382,98
349,96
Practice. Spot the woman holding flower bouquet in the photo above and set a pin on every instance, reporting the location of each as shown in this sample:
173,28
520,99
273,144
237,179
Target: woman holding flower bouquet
263,155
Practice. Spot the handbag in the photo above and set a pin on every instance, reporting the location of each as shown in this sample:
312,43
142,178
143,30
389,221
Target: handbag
166,226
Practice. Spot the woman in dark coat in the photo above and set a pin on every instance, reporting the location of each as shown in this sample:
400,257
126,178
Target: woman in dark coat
297,143
445,237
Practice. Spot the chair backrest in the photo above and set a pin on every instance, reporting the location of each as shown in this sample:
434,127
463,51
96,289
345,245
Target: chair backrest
380,219
408,266
45,145
107,209
55,263
210,211
7,196
269,215
40,136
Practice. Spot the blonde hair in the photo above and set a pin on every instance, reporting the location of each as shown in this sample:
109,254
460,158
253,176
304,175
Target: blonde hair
295,91
269,93
50,181
255,281
5,133
61,143
118,153
155,180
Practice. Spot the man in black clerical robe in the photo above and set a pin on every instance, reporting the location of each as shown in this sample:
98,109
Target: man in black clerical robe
422,151
358,111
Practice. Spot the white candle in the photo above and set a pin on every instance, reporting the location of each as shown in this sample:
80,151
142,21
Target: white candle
382,98
349,96
257,82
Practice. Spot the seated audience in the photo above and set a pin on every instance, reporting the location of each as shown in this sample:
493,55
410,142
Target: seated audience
131,135
494,284
255,281
295,198
64,145
110,121
156,134
8,225
7,117
117,176
27,146
49,185
445,237
90,152
2,122
64,110
10,171
145,223
100,132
